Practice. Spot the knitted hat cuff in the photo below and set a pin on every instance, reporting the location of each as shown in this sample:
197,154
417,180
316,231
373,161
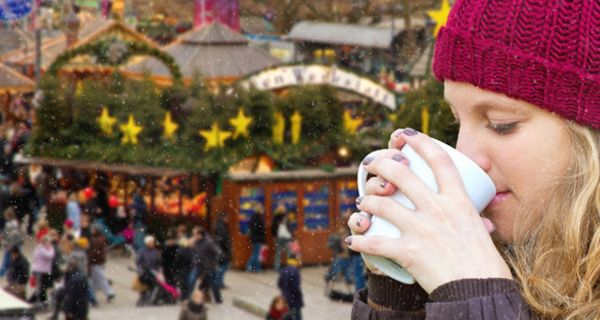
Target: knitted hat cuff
560,88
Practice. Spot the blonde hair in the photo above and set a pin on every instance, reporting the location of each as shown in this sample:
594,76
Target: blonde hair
556,249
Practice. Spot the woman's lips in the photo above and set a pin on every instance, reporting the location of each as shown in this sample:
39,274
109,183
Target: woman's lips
499,198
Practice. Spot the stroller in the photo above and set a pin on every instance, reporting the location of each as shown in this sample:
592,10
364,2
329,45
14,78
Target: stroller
154,290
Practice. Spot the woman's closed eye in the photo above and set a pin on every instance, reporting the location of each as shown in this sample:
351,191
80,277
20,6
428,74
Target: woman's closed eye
503,128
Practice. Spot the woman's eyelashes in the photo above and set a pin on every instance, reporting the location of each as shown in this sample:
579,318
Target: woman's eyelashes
503,128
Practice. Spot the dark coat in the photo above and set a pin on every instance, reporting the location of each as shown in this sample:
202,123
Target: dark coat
223,240
289,283
97,250
206,255
18,271
475,299
148,259
256,227
75,302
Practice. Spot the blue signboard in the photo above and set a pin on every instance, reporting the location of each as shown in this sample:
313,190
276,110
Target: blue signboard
14,9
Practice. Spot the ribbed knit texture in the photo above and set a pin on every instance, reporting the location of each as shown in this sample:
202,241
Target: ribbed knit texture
385,291
472,288
545,52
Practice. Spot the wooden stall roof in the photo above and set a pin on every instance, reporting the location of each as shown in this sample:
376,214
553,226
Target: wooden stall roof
13,82
305,174
215,51
99,166
92,30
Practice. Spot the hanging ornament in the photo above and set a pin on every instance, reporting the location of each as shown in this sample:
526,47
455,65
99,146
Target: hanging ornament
106,122
351,125
79,88
278,128
425,120
130,131
170,127
393,117
215,138
296,121
241,124
440,16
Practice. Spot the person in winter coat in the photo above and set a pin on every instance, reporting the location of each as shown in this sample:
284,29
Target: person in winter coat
290,284
75,300
206,256
278,309
168,257
282,233
18,274
183,266
521,78
256,228
97,261
41,267
148,261
223,240
194,309
11,237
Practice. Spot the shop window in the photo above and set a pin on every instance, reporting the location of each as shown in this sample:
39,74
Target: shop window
286,195
251,200
316,207
348,192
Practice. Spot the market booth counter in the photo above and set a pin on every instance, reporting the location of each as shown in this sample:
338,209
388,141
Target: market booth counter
314,201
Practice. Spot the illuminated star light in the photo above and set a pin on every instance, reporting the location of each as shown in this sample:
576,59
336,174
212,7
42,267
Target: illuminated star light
215,138
241,124
170,126
440,16
106,122
351,125
130,131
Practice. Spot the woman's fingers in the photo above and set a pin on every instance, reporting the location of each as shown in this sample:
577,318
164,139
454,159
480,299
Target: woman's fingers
377,246
395,170
379,186
396,140
359,222
445,172
388,209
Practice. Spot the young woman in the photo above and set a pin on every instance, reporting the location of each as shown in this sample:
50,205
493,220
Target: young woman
522,78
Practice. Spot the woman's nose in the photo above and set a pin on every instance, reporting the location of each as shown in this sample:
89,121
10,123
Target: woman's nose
473,147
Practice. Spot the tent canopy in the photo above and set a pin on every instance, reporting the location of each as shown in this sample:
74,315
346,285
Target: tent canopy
13,82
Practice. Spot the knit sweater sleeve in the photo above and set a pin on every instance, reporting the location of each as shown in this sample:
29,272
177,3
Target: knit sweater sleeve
478,299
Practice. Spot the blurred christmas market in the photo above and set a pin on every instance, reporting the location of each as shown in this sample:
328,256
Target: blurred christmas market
210,106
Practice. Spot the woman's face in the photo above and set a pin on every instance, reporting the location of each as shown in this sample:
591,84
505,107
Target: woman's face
521,147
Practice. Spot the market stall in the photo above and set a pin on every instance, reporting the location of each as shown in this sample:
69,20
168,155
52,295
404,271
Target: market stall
314,199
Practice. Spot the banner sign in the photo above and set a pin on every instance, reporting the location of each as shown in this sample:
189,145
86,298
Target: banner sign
14,9
289,76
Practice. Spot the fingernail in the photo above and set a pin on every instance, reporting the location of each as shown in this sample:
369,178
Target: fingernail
359,221
359,200
410,131
398,157
383,183
367,160
348,240
397,133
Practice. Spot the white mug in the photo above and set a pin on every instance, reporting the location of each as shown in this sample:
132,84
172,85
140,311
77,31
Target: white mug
478,185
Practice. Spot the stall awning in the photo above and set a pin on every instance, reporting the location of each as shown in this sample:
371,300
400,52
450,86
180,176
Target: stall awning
99,166
13,82
343,34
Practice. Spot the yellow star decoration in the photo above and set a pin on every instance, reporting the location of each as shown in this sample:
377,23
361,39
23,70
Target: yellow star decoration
440,16
130,131
278,128
351,125
296,121
393,117
214,137
240,123
170,127
106,121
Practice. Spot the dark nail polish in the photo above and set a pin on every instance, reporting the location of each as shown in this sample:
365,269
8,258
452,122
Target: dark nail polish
397,133
359,200
367,160
358,222
348,240
383,183
410,132
398,157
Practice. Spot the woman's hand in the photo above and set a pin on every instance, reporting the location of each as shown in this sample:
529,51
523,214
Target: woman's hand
444,239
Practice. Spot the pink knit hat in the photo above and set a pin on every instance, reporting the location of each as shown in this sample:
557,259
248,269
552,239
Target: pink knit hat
545,52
